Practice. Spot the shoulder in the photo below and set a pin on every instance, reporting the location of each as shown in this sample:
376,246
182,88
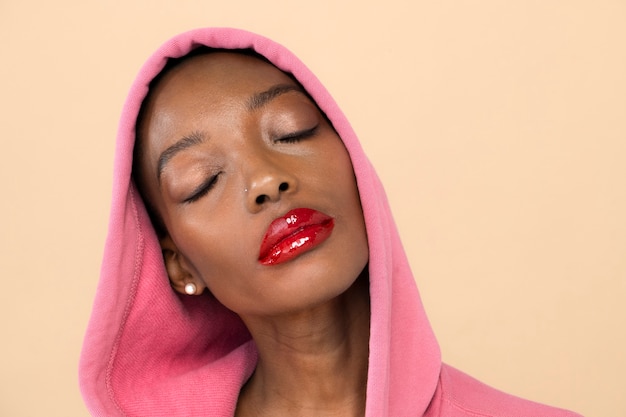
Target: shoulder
461,395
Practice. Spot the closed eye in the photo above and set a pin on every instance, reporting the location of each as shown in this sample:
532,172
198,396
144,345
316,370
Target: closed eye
202,189
298,136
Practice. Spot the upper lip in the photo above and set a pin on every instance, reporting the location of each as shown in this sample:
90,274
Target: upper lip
289,224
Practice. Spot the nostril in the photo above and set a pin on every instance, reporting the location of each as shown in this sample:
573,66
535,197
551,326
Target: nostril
262,198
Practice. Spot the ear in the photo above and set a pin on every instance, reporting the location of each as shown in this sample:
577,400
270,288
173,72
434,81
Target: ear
177,269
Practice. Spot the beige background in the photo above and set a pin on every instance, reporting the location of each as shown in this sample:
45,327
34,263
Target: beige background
499,128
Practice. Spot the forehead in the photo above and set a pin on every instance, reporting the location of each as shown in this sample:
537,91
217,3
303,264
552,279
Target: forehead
208,83
215,77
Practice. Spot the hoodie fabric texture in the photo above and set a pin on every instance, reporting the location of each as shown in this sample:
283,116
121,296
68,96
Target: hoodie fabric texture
149,351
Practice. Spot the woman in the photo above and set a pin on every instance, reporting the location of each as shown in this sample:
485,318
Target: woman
291,291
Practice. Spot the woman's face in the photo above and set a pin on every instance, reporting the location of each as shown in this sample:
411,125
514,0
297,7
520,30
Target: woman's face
231,145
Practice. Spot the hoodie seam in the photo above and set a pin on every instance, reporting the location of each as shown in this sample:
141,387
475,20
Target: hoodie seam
133,291
450,399
456,405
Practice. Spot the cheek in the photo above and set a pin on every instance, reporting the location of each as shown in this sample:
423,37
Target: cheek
346,184
218,253
338,160
212,253
353,201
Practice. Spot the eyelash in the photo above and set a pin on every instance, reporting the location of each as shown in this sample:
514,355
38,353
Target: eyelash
203,189
298,136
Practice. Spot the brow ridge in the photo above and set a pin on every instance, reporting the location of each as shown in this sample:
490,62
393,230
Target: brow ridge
260,99
186,142
254,102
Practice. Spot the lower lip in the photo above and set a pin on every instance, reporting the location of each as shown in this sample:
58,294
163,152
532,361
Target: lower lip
298,243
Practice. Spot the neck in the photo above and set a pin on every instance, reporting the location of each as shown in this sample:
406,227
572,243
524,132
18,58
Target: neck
312,362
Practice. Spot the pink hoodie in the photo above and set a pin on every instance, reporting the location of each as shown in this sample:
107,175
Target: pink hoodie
151,352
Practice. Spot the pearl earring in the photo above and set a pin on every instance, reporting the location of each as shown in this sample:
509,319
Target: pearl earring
190,288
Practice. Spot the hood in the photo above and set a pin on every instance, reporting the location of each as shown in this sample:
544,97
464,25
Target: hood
149,351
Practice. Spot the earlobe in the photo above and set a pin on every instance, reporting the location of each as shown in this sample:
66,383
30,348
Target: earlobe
180,277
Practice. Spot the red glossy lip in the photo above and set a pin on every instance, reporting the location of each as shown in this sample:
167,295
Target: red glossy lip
298,231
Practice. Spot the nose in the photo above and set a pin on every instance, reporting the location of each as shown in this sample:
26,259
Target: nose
267,183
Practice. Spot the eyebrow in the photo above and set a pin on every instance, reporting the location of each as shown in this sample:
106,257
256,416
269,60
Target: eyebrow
264,97
188,141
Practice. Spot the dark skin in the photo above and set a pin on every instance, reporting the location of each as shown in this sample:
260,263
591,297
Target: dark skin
228,144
